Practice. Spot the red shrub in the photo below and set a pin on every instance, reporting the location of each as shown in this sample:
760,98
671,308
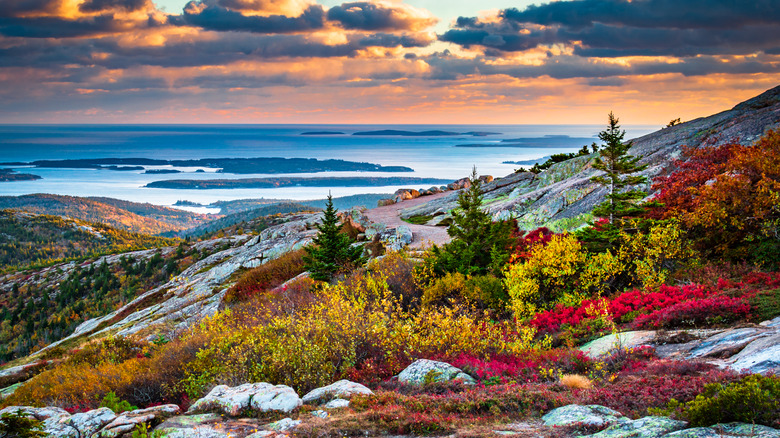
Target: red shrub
653,387
707,312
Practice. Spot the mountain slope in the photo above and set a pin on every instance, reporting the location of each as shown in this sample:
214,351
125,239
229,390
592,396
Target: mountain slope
125,215
563,196
30,238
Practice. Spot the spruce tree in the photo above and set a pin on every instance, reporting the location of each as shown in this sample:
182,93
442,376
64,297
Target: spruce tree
478,244
332,251
619,168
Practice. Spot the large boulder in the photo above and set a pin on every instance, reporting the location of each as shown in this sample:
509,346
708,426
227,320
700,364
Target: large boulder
423,370
646,427
587,416
727,343
607,344
760,356
262,397
342,389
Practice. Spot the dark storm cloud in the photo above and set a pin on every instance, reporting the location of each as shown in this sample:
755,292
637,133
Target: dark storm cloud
14,8
105,5
615,28
213,16
669,14
55,27
227,48
371,16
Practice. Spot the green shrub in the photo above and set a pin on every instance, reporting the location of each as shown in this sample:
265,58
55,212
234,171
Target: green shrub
18,425
755,399
111,401
765,305
486,291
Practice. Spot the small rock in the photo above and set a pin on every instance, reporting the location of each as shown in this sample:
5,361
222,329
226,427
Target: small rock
385,202
744,429
404,234
437,371
320,414
262,434
696,432
342,389
590,416
646,427
336,403
283,425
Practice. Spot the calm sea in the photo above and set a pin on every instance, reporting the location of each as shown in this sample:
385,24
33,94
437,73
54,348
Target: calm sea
429,156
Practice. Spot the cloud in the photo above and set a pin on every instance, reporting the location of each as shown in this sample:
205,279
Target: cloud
618,28
108,5
380,16
67,19
212,15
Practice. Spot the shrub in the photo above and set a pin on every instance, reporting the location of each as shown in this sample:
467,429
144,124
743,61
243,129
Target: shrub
754,399
444,289
111,401
575,381
636,392
486,292
18,425
109,350
765,305
398,271
266,276
697,313
353,326
549,274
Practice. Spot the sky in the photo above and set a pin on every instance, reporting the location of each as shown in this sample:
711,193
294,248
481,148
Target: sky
382,61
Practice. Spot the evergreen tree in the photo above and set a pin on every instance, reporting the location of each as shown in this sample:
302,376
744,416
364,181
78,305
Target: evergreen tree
332,251
478,244
618,166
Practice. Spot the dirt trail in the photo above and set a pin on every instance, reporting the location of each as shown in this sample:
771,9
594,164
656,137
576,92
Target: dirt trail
423,234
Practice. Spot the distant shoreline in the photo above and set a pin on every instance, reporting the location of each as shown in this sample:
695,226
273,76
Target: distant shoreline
224,165
271,183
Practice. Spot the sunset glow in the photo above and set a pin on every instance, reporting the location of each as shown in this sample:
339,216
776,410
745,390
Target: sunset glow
378,61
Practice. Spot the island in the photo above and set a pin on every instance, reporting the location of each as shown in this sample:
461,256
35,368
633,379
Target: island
274,183
395,132
185,203
528,162
162,171
7,175
550,141
268,165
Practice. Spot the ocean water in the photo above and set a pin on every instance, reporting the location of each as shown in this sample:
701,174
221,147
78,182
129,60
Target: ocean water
434,156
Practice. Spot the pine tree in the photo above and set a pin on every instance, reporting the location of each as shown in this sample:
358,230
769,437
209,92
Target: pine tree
332,251
478,244
618,166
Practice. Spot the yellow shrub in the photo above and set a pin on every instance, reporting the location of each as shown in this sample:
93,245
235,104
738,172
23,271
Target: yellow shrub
353,322
551,271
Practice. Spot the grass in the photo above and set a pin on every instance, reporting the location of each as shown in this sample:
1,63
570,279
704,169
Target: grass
419,220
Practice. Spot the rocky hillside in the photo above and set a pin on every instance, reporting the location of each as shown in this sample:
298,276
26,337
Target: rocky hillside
563,196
